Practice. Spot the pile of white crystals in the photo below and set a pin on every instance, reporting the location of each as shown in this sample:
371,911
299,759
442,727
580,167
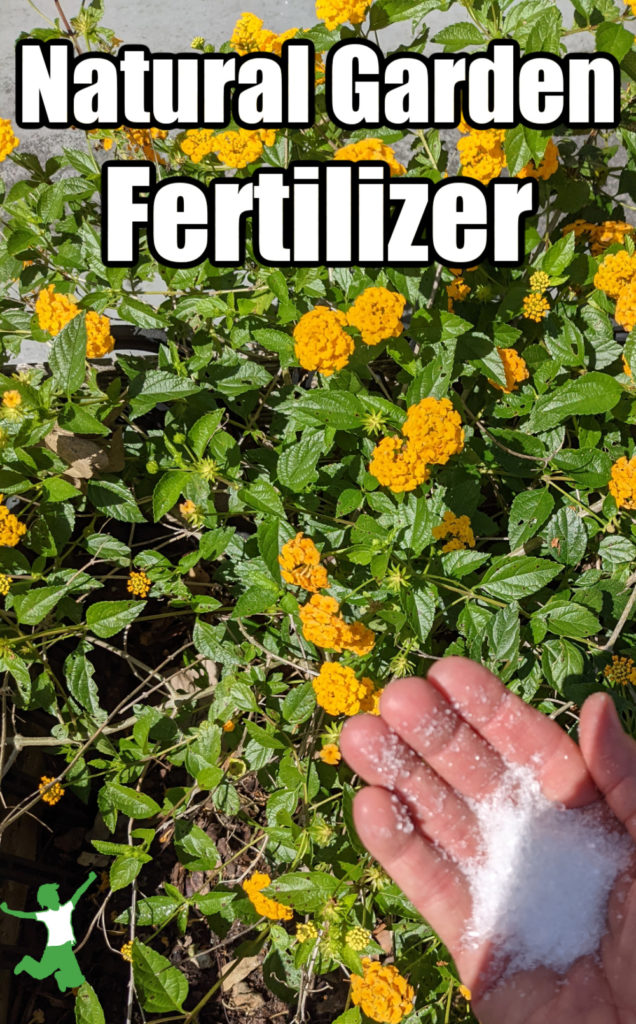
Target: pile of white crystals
540,882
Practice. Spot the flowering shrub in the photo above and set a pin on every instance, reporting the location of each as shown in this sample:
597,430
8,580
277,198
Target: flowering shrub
324,478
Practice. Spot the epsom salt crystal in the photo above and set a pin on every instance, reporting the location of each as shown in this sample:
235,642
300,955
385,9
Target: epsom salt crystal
540,882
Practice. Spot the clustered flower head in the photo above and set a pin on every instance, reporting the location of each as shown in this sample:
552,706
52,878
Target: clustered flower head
433,432
535,307
340,692
249,36
330,754
337,12
242,147
458,528
263,905
300,564
621,671
138,584
357,938
325,627
306,930
382,993
515,370
11,529
370,149
51,795
622,485
465,992
5,584
457,290
8,140
546,167
142,139
539,281
481,153
321,343
54,311
11,399
616,271
99,340
377,315
127,951
625,312
601,236
198,143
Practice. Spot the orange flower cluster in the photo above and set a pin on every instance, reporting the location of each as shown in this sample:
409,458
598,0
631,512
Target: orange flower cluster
457,290
433,432
99,340
138,584
249,36
324,626
300,564
8,140
377,315
234,148
340,692
263,905
11,529
51,794
515,370
370,149
546,167
621,671
601,236
616,271
54,311
535,307
382,993
321,343
458,528
330,753
337,12
622,485
481,153
11,399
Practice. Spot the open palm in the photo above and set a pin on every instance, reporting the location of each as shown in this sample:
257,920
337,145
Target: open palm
447,738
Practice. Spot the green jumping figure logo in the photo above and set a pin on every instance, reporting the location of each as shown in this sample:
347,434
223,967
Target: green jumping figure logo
58,957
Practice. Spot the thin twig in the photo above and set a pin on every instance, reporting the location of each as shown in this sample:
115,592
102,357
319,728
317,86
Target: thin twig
627,610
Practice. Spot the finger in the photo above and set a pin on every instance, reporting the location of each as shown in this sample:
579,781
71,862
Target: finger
433,883
381,758
610,755
422,716
517,732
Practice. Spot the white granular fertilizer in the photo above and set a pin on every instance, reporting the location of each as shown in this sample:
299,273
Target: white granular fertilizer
541,880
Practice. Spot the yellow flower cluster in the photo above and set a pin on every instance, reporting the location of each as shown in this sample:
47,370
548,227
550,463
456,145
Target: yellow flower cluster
240,148
139,139
198,143
625,312
138,584
249,36
458,528
11,529
330,754
601,236
306,930
340,692
8,141
127,951
382,993
337,12
535,307
370,149
324,626
11,399
465,992
616,271
321,343
539,281
621,671
515,370
357,938
433,432
300,564
377,315
457,290
481,153
54,310
5,584
546,167
99,340
263,905
51,795
622,485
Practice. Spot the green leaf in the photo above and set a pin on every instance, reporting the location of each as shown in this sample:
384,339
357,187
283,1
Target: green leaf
130,802
588,466
561,661
518,152
277,341
104,546
351,1016
68,355
154,386
167,491
152,912
504,634
140,314
586,396
614,39
202,756
297,464
338,409
420,604
36,604
299,703
114,498
255,600
209,641
123,871
528,513
159,985
88,1008
511,579
567,536
262,496
306,892
194,848
458,36
571,619
105,618
559,256
79,673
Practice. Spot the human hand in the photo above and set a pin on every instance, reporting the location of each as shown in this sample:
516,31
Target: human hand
477,726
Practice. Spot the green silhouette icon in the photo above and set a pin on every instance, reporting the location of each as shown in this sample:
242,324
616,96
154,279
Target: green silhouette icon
58,957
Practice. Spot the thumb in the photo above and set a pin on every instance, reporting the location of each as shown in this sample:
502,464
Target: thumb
610,755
